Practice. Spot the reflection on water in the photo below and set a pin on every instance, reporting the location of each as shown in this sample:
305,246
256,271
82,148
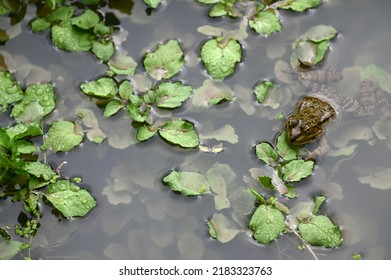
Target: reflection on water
139,218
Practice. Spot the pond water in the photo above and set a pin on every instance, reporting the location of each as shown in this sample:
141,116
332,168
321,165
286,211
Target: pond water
137,216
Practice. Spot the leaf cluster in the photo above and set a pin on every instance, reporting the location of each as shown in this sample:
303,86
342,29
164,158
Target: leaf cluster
23,177
163,63
261,16
75,31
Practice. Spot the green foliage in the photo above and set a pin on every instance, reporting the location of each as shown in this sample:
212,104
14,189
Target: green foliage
265,22
299,5
180,132
84,32
166,61
104,87
10,91
262,89
152,3
320,231
267,223
296,170
37,102
69,199
63,136
266,153
220,56
171,95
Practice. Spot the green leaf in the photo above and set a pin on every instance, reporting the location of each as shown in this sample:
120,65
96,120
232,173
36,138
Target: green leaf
266,182
126,90
171,95
258,196
298,5
70,38
166,61
265,22
102,29
262,90
10,248
320,231
286,151
212,93
103,50
187,183
266,153
152,3
122,65
297,169
220,56
10,90
40,24
90,2
105,87
63,136
21,130
218,10
318,200
221,228
40,170
145,132
69,199
267,223
37,102
96,135
139,113
180,132
321,49
86,20
319,33
209,1
112,108
63,13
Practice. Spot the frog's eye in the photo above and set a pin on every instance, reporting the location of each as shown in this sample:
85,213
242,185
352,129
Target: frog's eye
294,122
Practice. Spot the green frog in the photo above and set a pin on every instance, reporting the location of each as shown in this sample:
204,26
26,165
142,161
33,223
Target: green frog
314,113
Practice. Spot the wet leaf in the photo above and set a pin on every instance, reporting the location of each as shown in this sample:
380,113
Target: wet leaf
21,130
266,153
96,135
122,65
63,13
86,20
63,136
152,3
262,89
220,56
145,132
104,87
265,22
180,132
298,5
266,182
39,24
378,180
68,38
40,170
212,93
166,61
69,199
221,228
10,248
267,223
286,151
319,33
171,95
226,133
187,183
37,102
297,169
112,108
103,50
320,231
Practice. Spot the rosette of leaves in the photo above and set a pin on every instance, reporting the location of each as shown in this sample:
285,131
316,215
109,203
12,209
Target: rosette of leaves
166,61
311,47
220,56
287,166
262,16
166,96
71,31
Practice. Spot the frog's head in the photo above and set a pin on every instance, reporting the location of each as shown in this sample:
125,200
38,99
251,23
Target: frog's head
299,131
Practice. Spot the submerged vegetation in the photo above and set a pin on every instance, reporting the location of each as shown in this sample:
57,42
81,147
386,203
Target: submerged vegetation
150,98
